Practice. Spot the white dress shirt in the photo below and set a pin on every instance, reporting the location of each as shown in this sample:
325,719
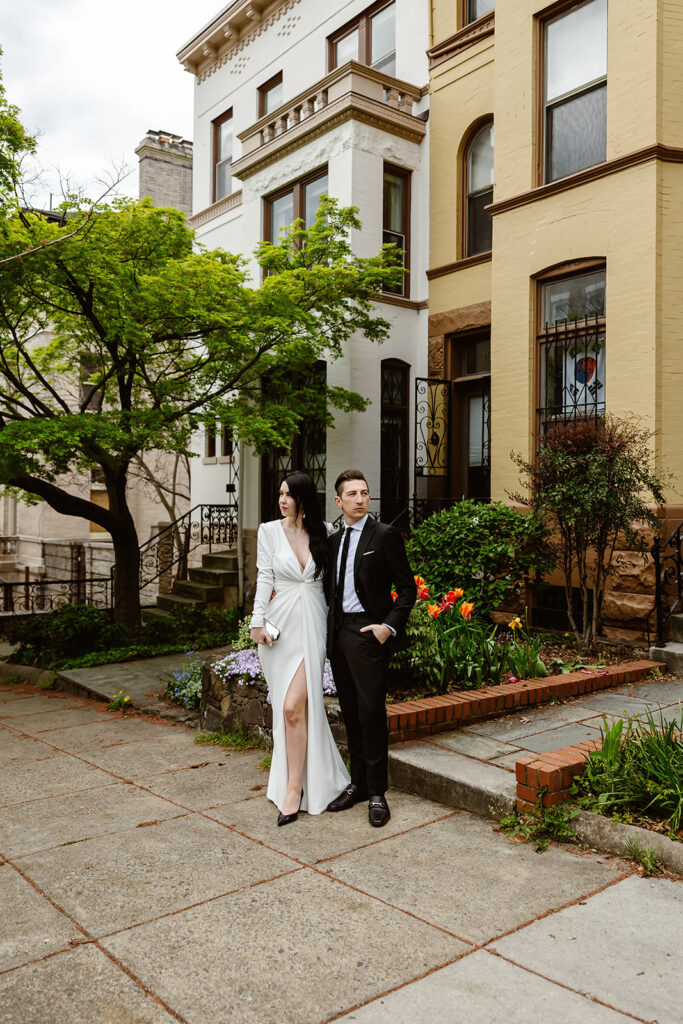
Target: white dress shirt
351,602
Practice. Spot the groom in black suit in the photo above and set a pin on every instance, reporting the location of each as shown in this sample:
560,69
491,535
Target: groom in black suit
365,627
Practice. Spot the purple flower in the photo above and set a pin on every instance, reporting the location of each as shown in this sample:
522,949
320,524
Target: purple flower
244,666
329,687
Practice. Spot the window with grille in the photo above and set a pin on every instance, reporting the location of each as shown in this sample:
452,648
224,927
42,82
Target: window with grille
572,344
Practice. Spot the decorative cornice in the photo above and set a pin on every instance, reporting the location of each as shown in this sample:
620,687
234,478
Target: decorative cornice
229,33
216,209
667,154
466,37
451,268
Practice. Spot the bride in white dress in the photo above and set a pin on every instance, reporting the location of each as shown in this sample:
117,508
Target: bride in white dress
306,771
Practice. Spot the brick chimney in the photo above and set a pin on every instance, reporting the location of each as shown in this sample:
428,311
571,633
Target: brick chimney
166,170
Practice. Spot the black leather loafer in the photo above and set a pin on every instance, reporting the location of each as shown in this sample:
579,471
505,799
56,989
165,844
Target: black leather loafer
347,798
378,811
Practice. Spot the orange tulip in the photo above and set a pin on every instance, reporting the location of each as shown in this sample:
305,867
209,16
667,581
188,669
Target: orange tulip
466,609
434,611
394,595
453,595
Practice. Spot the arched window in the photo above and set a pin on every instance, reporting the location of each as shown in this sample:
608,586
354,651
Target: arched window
479,191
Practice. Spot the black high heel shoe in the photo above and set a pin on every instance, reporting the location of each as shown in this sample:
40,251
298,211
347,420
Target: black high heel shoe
285,819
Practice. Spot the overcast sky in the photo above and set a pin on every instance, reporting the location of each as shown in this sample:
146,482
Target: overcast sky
93,77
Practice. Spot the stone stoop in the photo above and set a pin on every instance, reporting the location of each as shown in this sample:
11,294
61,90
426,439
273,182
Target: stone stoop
672,654
214,585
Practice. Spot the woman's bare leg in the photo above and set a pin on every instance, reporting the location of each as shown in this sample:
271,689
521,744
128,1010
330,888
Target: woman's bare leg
296,736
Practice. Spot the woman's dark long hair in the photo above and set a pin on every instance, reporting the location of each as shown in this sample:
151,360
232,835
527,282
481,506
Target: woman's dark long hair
302,489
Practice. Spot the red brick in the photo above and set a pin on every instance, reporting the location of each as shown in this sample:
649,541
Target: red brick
524,805
521,767
550,799
550,777
526,793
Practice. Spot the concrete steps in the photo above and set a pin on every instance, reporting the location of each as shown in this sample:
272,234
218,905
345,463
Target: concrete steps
672,654
213,585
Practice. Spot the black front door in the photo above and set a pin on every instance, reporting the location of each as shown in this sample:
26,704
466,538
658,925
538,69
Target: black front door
394,478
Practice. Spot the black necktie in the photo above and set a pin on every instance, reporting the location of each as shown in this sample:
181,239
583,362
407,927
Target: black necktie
339,592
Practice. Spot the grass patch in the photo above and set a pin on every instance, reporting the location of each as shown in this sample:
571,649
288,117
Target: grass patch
638,772
72,842
11,681
542,824
236,739
265,763
649,859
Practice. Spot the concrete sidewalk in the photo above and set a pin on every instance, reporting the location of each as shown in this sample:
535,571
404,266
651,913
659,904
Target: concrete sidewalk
143,879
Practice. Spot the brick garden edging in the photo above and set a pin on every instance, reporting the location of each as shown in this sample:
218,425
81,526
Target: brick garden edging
418,718
553,771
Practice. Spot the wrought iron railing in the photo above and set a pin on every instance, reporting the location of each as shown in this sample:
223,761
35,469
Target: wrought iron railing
572,371
432,418
29,597
165,555
667,556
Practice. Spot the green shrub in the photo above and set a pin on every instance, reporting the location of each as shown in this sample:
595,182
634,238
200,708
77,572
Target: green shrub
639,770
69,632
487,549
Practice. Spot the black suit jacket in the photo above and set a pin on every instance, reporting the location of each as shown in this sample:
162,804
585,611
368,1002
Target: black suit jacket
380,561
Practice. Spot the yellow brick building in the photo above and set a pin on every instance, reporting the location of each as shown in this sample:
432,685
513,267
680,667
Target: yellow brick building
556,259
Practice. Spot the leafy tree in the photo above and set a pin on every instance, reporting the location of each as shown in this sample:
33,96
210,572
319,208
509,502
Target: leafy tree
120,340
592,481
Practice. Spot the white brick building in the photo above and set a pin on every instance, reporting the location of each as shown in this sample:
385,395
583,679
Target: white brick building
294,98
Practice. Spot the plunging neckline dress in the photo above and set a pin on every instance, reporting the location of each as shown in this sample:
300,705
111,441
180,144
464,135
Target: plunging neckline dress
299,611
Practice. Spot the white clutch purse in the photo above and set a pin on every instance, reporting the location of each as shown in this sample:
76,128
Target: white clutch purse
272,631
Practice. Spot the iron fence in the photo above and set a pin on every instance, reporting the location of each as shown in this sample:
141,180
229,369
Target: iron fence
165,555
667,556
29,597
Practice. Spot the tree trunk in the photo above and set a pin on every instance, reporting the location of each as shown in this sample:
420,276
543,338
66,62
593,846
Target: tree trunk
126,597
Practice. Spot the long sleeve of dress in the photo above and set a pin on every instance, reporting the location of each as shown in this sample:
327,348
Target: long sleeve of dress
264,578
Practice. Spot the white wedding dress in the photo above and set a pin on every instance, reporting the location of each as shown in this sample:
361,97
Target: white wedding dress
299,611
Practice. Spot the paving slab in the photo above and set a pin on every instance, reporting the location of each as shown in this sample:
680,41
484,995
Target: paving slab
299,949
35,704
235,778
639,919
43,824
52,777
48,722
81,986
664,691
566,736
18,749
175,749
469,866
31,927
615,704
315,837
483,989
509,761
116,881
511,728
470,743
104,732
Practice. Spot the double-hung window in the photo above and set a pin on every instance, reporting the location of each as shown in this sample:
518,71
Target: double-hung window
396,219
476,9
370,39
572,348
575,89
270,95
295,202
222,156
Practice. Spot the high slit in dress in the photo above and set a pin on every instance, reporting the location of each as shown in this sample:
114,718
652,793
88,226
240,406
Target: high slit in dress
299,611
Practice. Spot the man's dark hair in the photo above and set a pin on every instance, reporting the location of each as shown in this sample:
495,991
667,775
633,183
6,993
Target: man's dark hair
348,474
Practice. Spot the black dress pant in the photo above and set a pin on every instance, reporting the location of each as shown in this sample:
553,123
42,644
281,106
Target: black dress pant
359,665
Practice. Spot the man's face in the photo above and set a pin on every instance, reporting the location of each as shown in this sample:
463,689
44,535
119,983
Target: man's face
354,500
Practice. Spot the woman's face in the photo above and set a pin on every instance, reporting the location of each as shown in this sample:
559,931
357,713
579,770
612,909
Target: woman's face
286,501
